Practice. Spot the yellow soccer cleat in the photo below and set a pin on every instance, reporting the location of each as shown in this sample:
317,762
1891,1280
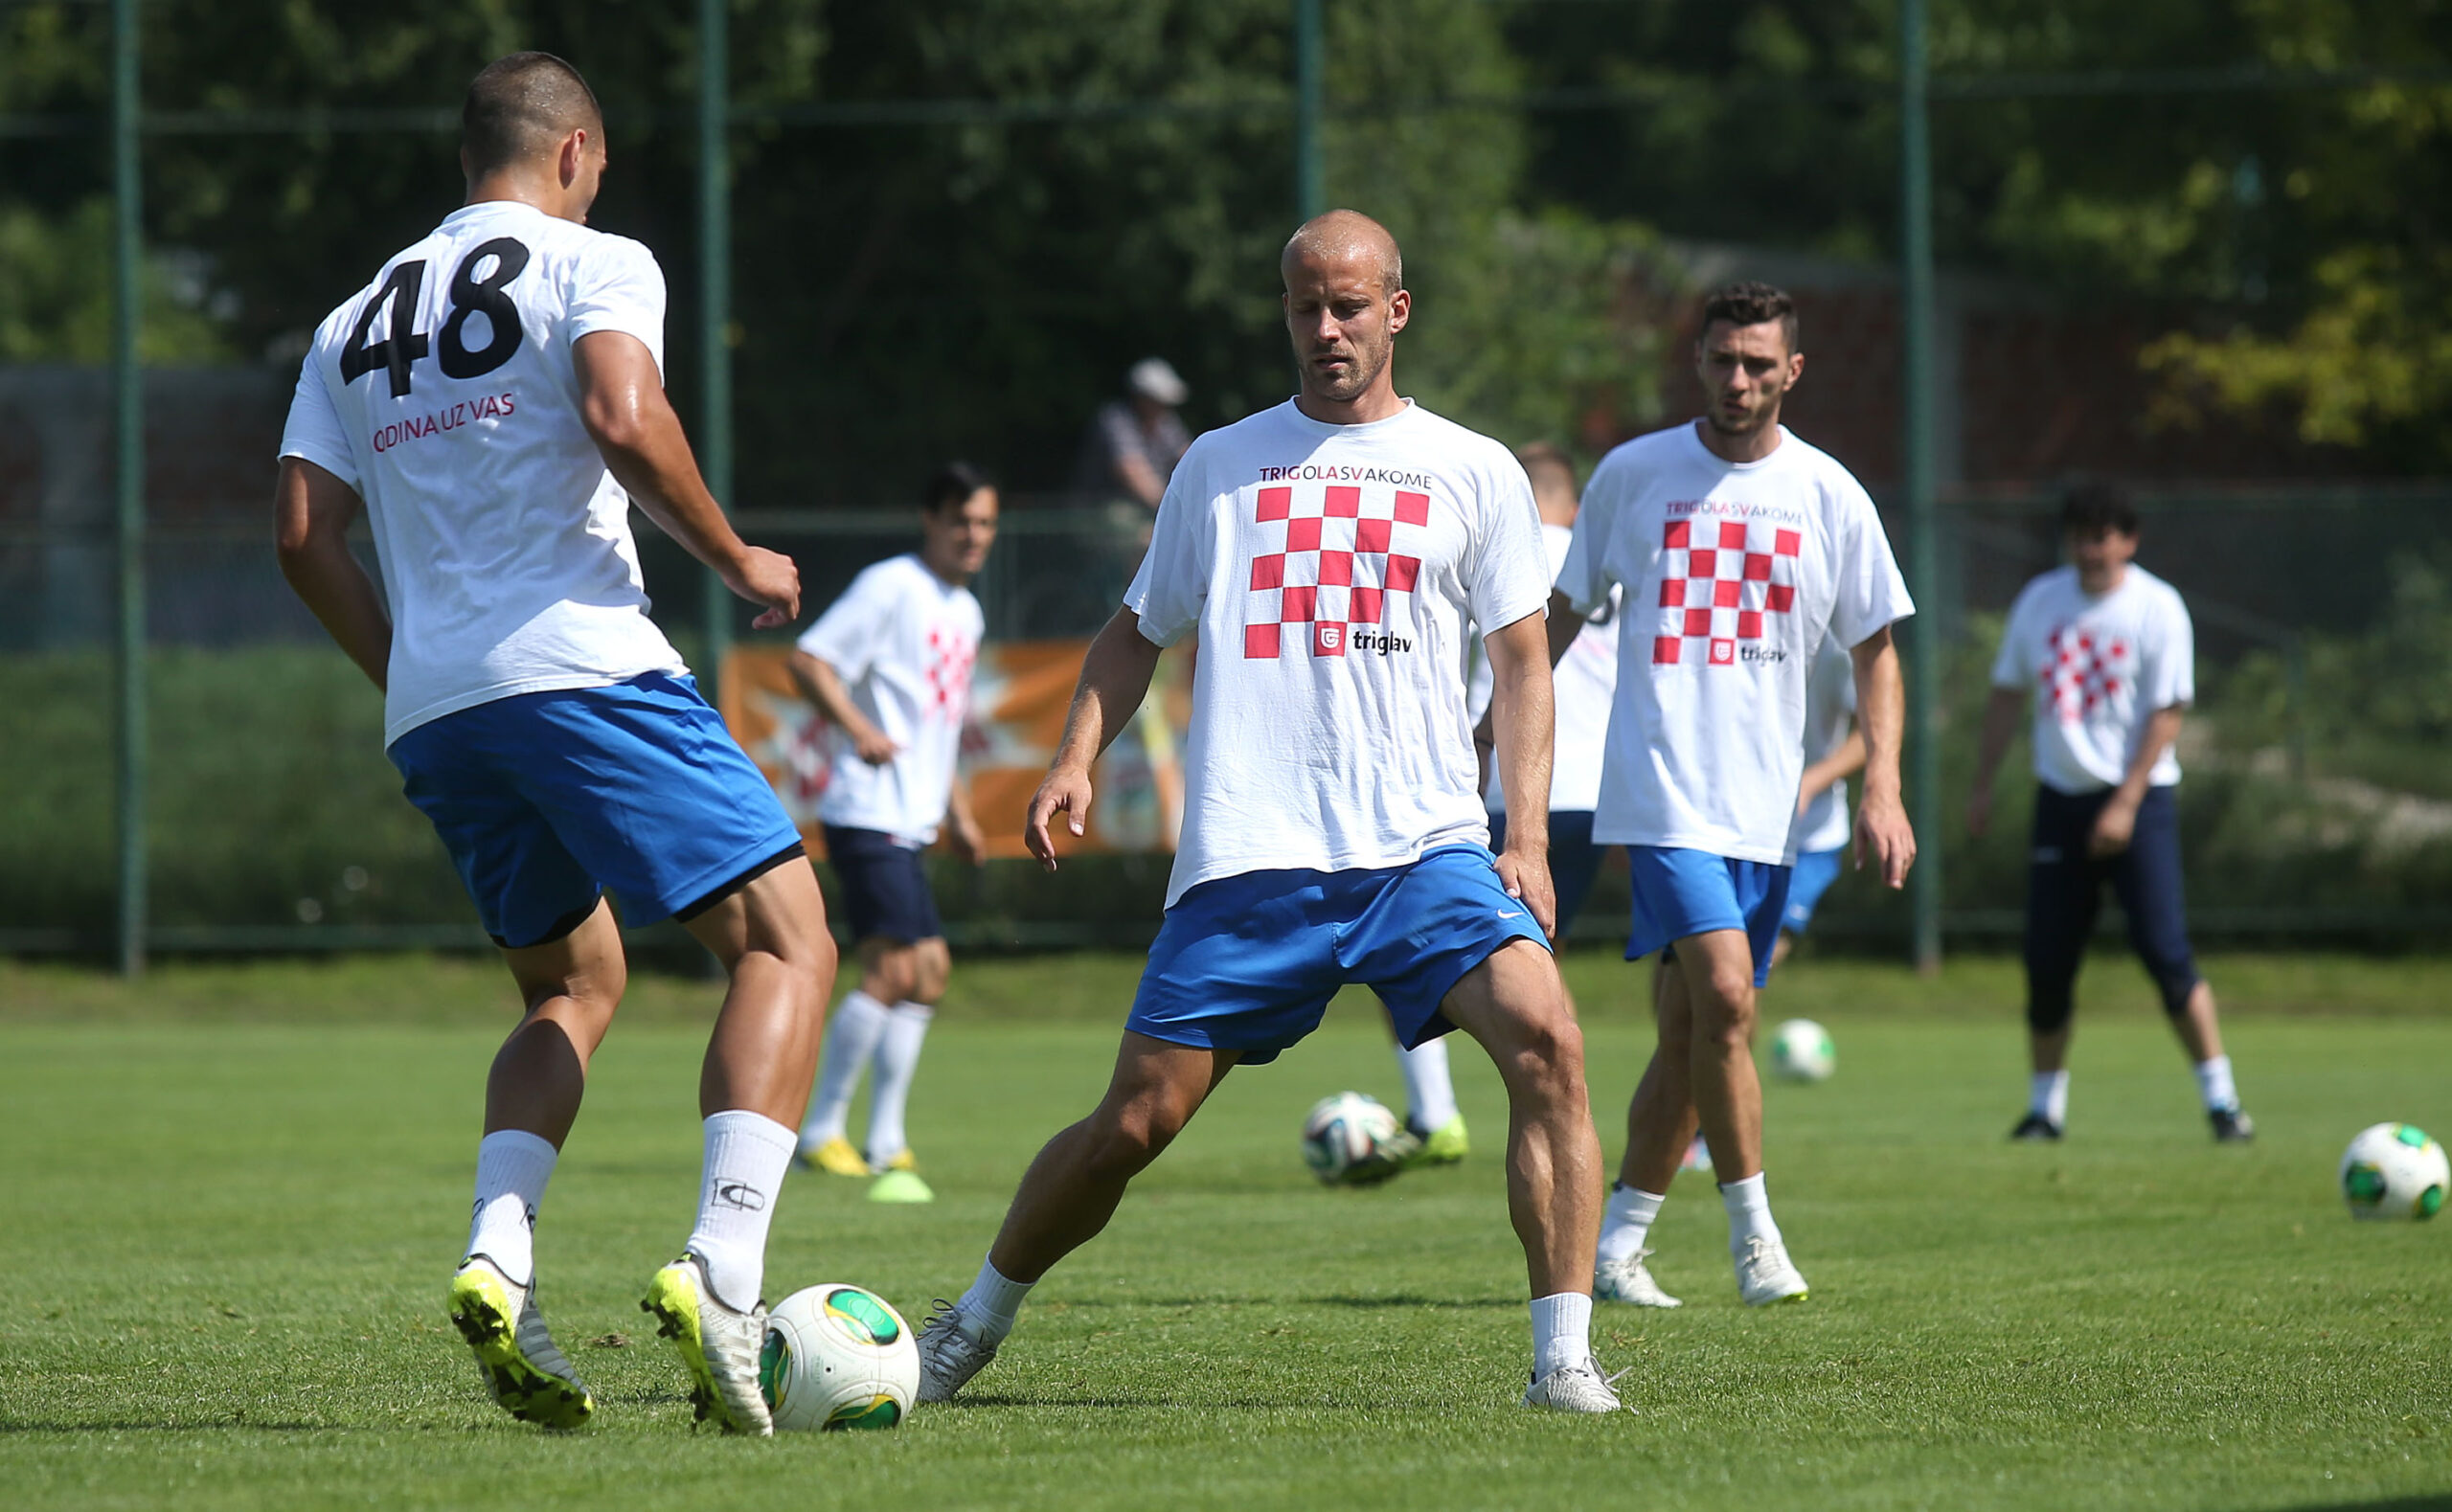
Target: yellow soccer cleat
516,1357
902,1160
836,1158
1444,1145
718,1345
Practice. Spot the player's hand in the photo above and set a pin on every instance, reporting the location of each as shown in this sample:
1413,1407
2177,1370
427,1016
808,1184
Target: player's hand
1066,790
969,842
2113,828
771,579
1979,809
1885,838
1526,879
872,747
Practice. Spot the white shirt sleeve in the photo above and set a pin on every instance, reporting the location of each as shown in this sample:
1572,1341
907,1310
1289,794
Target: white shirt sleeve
1582,576
2013,669
2168,671
314,431
616,285
1509,571
1172,585
849,634
1869,594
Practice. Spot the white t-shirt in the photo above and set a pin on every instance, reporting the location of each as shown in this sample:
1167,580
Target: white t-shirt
1735,573
1830,714
2100,668
1586,679
903,640
1331,572
444,393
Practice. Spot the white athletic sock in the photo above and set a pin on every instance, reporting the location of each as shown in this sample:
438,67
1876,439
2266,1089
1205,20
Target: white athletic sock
1626,1220
2213,1080
897,1061
1561,1332
2048,1096
987,1310
746,1156
1749,1213
512,1169
1430,1094
850,1038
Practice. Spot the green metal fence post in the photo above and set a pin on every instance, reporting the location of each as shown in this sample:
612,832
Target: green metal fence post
1924,635
715,305
1310,177
128,382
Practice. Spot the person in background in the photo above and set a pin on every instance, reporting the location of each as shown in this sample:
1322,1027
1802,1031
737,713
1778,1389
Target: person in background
1133,443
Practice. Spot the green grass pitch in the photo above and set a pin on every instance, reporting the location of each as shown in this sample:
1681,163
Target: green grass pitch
233,1195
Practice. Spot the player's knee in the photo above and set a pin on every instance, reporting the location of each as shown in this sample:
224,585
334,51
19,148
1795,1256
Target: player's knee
1725,1013
1124,1141
1544,1053
2048,1014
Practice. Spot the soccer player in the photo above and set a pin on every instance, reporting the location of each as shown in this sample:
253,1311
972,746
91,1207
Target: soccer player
1740,550
2108,652
1331,551
889,663
494,401
1834,753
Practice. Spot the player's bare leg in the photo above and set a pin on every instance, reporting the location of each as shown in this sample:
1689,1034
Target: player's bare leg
1066,1197
770,935
1715,973
894,1066
571,987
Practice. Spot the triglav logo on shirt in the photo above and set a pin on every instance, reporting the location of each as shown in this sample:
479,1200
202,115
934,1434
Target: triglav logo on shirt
2082,671
1728,585
1337,567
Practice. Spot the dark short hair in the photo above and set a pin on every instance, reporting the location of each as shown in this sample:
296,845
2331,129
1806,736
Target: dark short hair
952,484
1534,456
1751,304
521,104
2093,507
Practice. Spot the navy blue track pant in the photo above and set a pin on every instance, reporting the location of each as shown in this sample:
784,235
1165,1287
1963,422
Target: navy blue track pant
2064,891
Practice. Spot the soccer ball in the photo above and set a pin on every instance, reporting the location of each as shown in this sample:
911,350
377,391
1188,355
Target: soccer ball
837,1356
1351,1141
2394,1170
1801,1050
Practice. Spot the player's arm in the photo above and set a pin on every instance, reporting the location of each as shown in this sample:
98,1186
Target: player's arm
622,404
1883,835
822,685
312,511
1840,764
1115,677
1524,717
2118,820
1565,623
2002,713
970,842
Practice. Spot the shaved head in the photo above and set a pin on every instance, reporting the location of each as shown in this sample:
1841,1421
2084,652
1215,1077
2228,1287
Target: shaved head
1341,235
522,108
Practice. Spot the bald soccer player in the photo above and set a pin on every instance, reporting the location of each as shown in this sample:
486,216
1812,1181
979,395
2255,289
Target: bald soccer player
494,401
1330,552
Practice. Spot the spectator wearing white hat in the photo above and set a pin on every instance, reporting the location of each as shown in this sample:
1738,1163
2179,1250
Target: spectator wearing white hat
1134,442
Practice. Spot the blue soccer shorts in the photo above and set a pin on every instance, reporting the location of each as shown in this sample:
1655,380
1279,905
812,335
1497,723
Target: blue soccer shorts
1249,962
885,885
546,799
1815,871
1575,861
1680,893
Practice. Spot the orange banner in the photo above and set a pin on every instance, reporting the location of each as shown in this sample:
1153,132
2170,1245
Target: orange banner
1019,693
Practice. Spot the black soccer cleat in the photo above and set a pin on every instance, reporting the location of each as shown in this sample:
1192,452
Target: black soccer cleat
2231,1126
2036,1126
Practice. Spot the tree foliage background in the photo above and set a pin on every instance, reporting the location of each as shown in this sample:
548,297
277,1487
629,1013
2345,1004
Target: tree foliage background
908,291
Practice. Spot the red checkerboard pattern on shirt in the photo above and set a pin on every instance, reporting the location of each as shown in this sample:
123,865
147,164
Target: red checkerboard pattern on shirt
1735,574
1338,565
2082,670
949,663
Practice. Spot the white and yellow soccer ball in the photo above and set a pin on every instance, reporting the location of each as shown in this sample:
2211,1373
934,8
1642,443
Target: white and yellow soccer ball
1350,1139
837,1356
2394,1170
1801,1050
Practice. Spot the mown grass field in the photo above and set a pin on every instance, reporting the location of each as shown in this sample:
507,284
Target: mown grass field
233,1195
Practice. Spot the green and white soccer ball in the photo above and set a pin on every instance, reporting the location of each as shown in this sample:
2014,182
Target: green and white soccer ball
1351,1140
2394,1170
837,1356
1801,1050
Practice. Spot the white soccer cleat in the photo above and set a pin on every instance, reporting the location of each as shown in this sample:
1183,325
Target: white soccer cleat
1764,1274
718,1345
1576,1389
948,1357
530,1378
1628,1281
